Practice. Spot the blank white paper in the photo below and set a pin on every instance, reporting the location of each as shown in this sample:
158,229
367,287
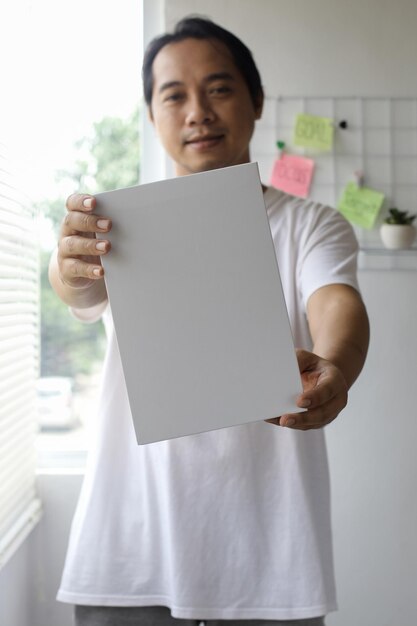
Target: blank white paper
197,303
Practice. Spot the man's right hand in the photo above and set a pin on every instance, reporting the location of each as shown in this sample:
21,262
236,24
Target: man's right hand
79,251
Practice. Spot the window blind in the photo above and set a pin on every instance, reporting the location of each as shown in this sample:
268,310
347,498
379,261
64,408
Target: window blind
19,347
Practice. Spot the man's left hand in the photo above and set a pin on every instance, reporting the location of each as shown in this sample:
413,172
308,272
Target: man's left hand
325,393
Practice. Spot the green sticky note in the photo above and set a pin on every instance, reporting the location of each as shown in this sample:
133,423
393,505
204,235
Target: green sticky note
360,205
313,131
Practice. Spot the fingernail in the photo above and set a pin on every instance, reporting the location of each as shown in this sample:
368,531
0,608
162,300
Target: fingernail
97,271
290,422
304,404
103,224
88,203
101,245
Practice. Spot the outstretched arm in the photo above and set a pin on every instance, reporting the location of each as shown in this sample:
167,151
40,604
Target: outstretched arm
340,331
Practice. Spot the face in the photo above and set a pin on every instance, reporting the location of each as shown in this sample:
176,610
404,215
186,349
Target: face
201,106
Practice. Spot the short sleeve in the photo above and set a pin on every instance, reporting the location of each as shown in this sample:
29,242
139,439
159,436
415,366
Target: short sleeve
328,252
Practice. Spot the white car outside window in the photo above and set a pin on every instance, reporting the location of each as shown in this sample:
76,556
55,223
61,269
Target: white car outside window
55,403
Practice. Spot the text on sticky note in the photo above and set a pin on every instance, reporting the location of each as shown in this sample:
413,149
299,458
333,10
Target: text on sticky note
293,174
313,131
360,205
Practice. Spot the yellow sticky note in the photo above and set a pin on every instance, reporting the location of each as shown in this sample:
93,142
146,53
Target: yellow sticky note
360,205
313,131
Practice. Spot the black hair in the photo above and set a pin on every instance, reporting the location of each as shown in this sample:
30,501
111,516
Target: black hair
202,28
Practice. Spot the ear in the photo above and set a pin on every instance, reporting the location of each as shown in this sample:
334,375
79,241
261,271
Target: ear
259,104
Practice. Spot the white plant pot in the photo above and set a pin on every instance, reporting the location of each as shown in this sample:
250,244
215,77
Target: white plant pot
397,236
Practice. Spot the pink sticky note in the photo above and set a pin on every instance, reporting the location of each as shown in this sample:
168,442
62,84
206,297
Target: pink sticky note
293,174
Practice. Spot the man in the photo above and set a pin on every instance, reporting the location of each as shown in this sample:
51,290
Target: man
232,524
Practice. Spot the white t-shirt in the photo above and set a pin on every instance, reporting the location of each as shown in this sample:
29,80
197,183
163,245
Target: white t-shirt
229,524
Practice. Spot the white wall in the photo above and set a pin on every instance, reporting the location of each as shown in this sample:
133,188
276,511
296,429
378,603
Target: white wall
15,601
374,466
321,47
30,580
339,48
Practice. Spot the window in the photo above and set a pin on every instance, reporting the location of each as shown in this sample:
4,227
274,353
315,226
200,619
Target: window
102,156
74,87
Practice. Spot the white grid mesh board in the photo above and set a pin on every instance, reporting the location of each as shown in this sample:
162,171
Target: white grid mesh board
380,140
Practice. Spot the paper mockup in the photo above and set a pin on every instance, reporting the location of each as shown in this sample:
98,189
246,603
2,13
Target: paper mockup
197,303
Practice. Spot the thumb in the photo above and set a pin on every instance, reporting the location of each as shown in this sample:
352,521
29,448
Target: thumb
306,360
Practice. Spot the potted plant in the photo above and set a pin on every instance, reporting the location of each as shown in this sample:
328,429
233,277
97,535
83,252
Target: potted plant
397,231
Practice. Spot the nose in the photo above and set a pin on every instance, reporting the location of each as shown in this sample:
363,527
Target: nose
199,111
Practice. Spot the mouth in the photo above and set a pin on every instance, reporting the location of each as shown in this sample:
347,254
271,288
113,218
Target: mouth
204,142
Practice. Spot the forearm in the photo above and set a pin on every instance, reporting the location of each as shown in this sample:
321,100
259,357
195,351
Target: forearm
340,329
84,297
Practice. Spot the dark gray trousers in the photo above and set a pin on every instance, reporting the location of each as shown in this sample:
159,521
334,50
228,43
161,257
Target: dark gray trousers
161,616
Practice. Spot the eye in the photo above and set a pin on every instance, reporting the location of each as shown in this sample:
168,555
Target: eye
220,90
175,96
